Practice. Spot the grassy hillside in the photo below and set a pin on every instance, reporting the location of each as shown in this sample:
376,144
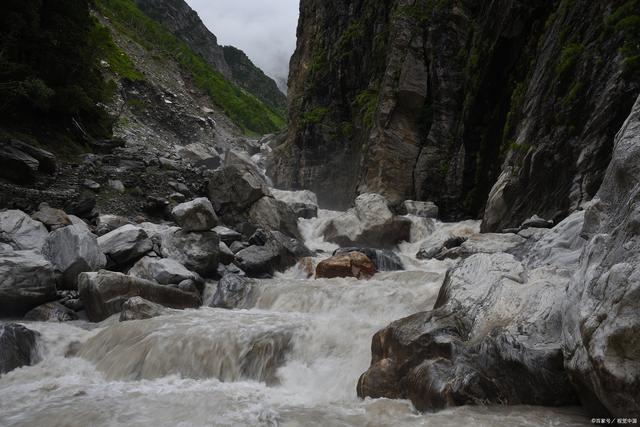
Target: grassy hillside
249,113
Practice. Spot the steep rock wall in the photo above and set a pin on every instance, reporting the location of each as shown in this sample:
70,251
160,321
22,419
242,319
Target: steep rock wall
444,100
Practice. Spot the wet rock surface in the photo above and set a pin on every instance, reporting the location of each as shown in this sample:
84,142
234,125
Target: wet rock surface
17,347
350,264
27,280
138,308
51,312
125,244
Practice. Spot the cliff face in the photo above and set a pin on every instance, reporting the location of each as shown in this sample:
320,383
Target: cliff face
182,21
444,101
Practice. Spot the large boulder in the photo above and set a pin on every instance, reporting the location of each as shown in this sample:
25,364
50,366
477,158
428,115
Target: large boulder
233,291
27,280
165,271
370,224
108,223
238,185
46,160
51,312
384,260
350,264
17,347
270,252
602,324
103,293
125,244
304,203
21,232
138,308
274,215
52,218
493,337
488,243
196,215
73,250
197,250
227,235
17,165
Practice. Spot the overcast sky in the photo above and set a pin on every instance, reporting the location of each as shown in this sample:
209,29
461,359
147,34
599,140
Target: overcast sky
264,29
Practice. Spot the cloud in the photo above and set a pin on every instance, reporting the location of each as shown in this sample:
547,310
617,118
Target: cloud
264,29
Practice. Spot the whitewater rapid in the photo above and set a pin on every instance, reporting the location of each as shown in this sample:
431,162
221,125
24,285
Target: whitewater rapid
290,358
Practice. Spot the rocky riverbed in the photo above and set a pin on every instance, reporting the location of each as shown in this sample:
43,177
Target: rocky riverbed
252,306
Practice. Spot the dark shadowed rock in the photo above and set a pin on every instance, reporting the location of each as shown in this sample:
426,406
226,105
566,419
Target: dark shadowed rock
17,347
227,235
103,293
351,264
51,312
27,280
197,250
17,165
421,209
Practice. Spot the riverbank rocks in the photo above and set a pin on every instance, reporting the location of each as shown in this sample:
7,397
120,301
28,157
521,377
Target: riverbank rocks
103,294
21,232
73,250
164,271
536,222
384,260
197,250
274,215
17,347
351,264
493,336
370,224
108,223
421,209
227,235
16,165
51,312
138,308
196,215
233,291
50,217
27,280
480,243
601,326
125,244
269,252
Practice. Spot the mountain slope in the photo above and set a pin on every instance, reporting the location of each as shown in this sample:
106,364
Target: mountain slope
183,22
444,101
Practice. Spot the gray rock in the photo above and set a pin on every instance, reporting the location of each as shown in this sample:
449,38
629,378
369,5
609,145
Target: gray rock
238,246
303,203
27,280
227,235
196,215
488,243
78,223
226,255
165,271
601,326
197,250
17,347
51,312
103,294
16,165
21,232
421,209
125,244
73,250
370,224
138,308
116,185
46,160
264,261
435,249
274,215
493,336
91,185
384,260
50,217
233,291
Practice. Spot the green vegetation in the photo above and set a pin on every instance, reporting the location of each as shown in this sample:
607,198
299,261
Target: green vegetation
569,57
366,103
248,112
314,116
118,61
354,32
625,20
50,79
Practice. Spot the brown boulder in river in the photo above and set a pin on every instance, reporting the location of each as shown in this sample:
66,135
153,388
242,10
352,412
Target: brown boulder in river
352,264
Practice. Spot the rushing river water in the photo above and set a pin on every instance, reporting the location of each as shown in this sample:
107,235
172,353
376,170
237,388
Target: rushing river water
291,359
